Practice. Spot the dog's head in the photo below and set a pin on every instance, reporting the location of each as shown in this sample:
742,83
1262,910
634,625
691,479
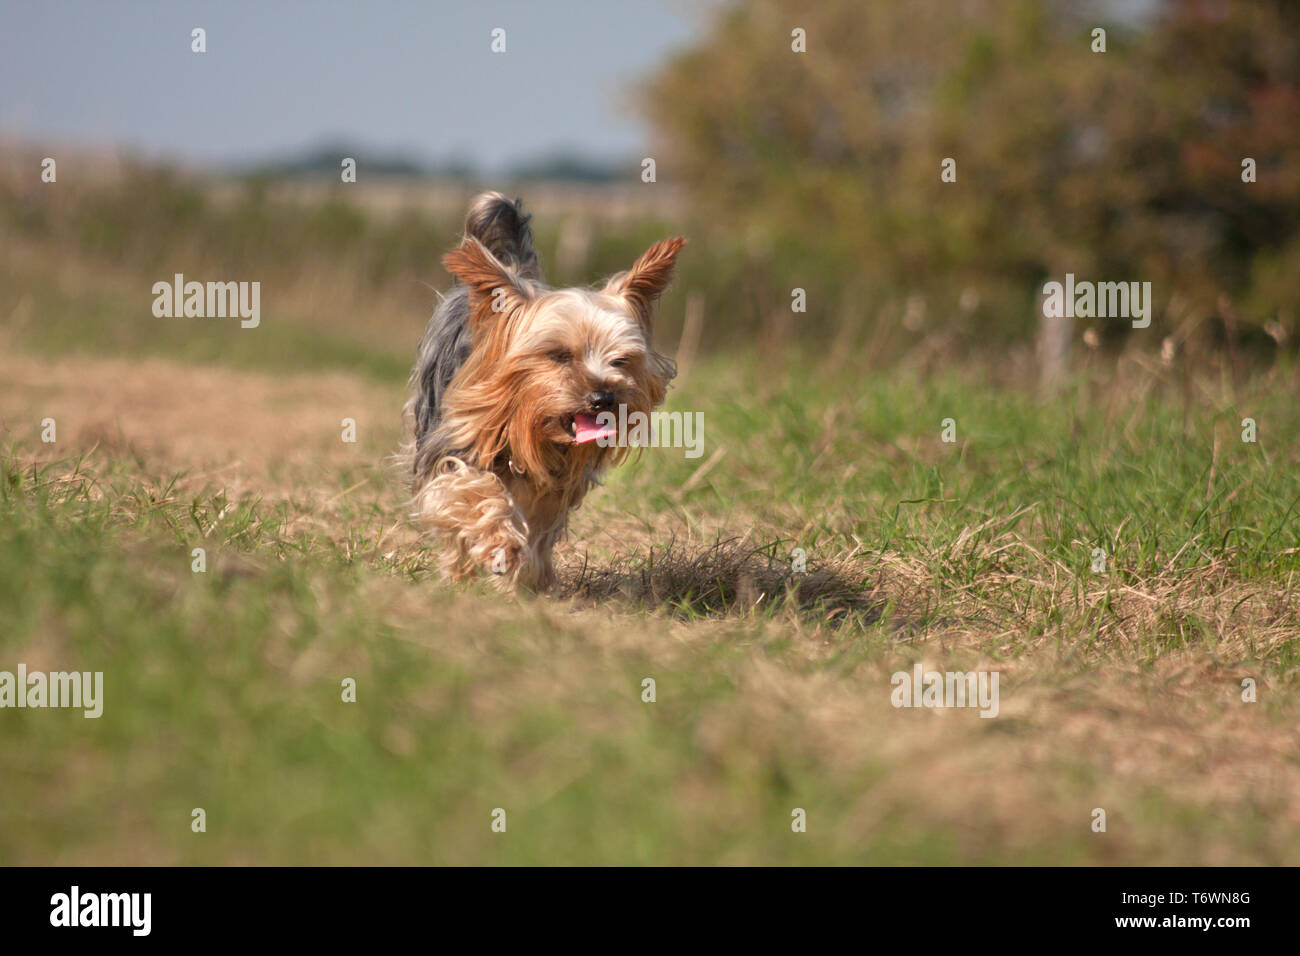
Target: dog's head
546,363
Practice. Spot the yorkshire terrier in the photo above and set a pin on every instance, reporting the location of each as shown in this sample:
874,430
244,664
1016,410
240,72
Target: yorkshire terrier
508,386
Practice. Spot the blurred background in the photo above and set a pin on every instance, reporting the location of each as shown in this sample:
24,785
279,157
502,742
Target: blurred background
816,170
1113,525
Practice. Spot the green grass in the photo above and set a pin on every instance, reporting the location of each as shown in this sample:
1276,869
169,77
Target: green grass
223,688
1119,690
223,692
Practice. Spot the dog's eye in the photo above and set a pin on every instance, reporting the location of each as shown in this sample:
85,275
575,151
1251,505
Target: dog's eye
561,357
619,363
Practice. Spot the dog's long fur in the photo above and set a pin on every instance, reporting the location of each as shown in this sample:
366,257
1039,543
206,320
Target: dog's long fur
506,368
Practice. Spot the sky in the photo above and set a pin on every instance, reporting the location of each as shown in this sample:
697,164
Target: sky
410,77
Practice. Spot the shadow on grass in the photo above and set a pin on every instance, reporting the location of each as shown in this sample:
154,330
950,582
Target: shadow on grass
729,577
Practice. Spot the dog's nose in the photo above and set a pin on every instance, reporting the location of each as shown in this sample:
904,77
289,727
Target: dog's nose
601,401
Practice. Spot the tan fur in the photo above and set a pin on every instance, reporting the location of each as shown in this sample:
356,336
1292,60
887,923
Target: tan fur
502,501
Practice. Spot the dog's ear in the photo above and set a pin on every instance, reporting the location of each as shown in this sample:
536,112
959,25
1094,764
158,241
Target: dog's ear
649,276
493,288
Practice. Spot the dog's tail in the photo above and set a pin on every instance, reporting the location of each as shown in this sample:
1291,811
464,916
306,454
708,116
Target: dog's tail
502,225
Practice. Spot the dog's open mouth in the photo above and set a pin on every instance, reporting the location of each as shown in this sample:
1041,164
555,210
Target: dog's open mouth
584,428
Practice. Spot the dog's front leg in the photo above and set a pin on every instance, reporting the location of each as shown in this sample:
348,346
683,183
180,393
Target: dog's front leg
482,528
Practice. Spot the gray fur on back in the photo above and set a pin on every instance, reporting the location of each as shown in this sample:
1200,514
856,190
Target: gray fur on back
502,226
443,349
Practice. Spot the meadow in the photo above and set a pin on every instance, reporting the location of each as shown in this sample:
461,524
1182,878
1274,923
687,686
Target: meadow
1121,687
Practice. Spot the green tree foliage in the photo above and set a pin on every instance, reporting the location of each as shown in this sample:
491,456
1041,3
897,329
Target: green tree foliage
823,167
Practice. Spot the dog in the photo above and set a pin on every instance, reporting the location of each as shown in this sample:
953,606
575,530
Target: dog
507,389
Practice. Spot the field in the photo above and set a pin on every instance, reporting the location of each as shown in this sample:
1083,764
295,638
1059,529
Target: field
1121,689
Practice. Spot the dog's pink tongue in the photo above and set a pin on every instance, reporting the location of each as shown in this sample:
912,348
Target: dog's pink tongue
585,429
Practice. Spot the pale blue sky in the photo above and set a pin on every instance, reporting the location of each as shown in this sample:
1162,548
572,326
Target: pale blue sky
281,76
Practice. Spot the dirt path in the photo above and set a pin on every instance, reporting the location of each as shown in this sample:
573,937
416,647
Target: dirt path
244,429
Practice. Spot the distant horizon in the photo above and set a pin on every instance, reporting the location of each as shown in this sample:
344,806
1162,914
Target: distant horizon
325,159
322,157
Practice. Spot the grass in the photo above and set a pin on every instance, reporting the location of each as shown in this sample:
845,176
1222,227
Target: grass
1120,689
224,688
